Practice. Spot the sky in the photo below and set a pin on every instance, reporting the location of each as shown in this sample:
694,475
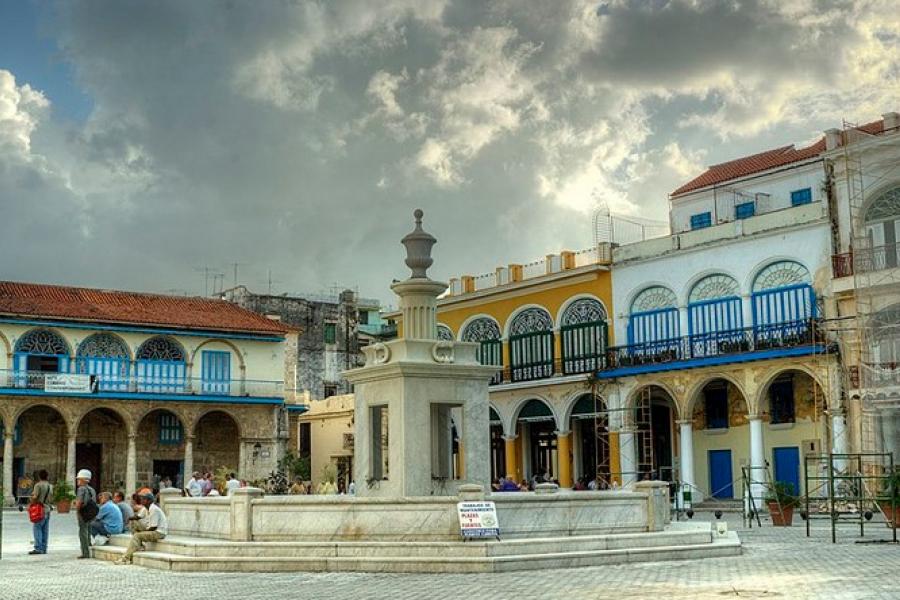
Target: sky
145,144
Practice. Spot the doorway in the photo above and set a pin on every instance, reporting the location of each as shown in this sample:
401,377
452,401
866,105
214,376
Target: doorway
720,474
173,469
90,457
787,466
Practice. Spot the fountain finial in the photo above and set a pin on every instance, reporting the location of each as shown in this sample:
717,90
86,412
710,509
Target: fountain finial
418,248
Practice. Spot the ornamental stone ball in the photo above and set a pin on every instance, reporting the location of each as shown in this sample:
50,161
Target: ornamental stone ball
418,248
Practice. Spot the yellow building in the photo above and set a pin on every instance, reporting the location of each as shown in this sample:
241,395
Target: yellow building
545,325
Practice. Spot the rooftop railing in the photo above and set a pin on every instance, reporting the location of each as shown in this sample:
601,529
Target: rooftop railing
77,383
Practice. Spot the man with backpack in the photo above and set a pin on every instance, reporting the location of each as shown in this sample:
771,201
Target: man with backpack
39,512
86,508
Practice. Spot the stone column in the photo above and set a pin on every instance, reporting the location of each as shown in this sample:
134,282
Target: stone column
564,456
839,439
242,460
70,460
689,493
628,456
757,461
131,465
242,513
188,459
512,467
9,498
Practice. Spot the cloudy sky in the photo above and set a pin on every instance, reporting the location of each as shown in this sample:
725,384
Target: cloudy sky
142,141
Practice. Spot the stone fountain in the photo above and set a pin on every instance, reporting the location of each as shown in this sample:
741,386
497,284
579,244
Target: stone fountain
409,396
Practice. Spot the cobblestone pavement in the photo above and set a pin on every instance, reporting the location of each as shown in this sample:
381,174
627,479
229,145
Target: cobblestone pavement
779,563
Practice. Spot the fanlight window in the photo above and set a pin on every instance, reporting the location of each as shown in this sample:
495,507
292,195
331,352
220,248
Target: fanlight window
161,348
585,310
482,329
713,287
654,298
531,320
781,274
42,341
103,345
886,207
444,333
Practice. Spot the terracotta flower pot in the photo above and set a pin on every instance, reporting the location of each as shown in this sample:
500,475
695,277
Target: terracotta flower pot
783,516
893,516
63,506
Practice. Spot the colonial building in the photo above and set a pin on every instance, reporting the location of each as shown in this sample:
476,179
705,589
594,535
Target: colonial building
133,386
545,326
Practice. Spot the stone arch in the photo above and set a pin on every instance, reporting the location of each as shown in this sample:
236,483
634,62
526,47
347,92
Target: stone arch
761,400
6,345
175,410
160,445
517,407
564,308
237,352
126,419
694,392
16,414
192,430
572,401
44,431
631,399
517,316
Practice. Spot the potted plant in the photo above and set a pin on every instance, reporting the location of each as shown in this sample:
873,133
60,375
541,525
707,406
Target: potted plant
889,499
63,494
781,501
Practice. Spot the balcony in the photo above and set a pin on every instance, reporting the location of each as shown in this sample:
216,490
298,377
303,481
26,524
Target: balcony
722,347
536,371
123,386
867,260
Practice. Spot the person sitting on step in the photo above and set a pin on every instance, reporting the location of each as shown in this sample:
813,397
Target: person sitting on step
153,529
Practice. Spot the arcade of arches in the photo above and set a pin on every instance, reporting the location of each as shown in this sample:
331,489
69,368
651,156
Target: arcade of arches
127,445
763,418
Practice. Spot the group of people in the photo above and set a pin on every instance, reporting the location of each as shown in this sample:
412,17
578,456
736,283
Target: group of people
204,484
509,484
99,516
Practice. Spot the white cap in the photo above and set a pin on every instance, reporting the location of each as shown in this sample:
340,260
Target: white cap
83,474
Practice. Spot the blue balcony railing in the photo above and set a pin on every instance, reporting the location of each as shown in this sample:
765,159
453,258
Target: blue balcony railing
73,383
720,343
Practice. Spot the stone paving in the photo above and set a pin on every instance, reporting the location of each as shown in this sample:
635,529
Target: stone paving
781,563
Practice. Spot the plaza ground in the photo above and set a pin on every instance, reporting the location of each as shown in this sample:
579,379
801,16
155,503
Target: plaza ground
781,563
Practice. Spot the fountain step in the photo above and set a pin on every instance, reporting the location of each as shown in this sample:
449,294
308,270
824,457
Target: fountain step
446,557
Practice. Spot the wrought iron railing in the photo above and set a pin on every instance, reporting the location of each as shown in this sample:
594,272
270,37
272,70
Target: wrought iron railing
63,383
720,343
866,260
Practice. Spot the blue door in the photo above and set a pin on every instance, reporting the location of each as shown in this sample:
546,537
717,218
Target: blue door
787,466
720,479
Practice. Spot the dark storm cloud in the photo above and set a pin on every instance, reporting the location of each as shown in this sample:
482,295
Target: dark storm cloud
299,136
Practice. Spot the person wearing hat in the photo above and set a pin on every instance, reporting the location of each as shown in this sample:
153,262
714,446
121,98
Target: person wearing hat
156,528
86,508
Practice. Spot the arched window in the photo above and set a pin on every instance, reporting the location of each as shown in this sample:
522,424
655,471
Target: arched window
882,221
783,300
583,336
884,359
531,345
653,318
160,366
714,315
106,356
486,332
42,350
444,333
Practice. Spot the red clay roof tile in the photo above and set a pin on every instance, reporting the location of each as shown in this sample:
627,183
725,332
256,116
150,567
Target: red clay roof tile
763,161
42,301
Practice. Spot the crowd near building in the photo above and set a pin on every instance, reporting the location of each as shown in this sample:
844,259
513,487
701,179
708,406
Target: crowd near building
764,327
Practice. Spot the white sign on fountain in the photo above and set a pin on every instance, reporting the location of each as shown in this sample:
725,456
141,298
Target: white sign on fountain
414,391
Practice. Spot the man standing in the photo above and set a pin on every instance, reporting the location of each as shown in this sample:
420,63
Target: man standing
86,508
231,483
41,494
109,519
156,528
194,487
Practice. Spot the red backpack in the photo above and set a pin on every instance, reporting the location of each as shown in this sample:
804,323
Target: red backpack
36,512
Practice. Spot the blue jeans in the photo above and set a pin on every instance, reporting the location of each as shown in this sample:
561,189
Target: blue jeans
41,531
98,528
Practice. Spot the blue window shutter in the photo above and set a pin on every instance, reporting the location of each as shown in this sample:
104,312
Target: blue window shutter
803,196
701,220
216,371
744,210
